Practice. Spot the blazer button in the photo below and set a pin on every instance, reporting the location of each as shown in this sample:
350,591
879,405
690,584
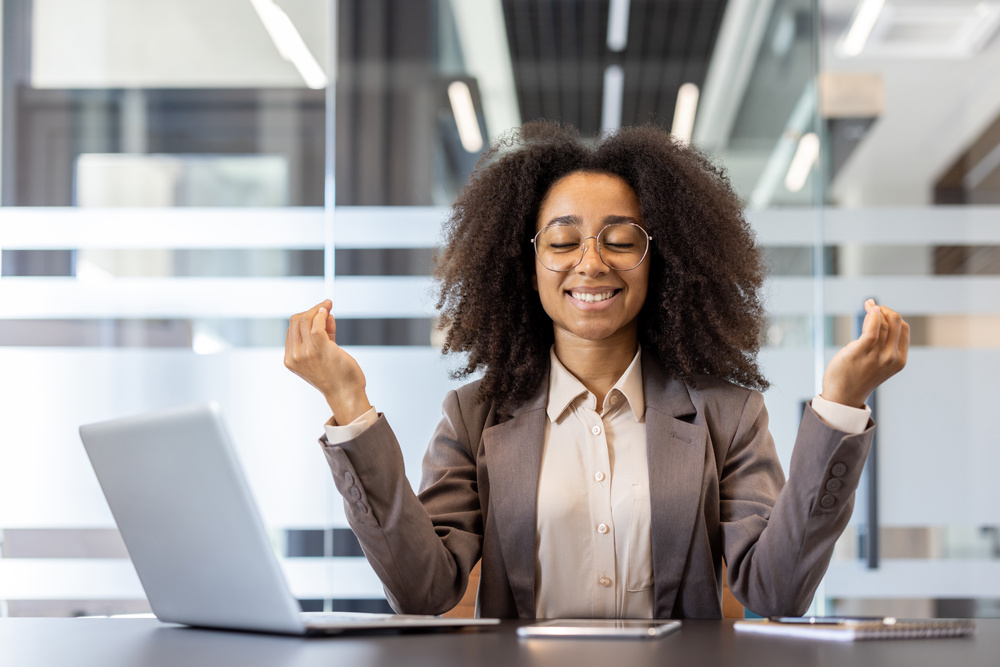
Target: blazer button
827,501
838,469
833,485
362,507
355,493
348,477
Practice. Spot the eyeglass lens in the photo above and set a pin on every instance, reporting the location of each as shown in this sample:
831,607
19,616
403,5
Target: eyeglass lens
561,247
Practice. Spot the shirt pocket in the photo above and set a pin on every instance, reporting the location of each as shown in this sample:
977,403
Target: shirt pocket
640,544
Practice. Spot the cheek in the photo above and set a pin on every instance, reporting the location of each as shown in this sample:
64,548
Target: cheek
641,287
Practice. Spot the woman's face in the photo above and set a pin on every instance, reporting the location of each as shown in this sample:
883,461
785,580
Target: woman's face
591,301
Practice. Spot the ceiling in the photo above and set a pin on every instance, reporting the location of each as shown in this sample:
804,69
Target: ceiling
559,54
937,108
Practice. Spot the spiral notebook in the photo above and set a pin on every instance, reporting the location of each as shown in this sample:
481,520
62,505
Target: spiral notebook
857,629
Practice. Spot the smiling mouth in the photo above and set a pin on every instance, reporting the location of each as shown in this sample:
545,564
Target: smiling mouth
589,297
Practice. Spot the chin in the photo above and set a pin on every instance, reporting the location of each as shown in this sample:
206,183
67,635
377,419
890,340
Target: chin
595,334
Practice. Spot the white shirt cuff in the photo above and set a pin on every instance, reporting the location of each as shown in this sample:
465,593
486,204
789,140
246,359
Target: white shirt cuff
338,434
841,417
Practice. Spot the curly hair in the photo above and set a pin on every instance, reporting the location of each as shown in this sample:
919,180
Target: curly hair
703,314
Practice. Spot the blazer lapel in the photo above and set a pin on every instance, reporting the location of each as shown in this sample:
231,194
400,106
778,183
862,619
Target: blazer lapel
513,453
676,452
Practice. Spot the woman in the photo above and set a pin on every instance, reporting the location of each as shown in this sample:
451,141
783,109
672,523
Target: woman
616,449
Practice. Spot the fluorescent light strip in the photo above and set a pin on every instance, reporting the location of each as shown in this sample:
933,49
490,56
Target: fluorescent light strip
684,111
861,28
614,91
783,151
289,42
465,116
802,162
618,25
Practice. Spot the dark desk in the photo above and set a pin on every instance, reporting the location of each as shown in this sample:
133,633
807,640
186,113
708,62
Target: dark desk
37,642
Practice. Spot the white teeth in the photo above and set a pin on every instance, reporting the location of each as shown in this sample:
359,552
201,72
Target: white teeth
592,298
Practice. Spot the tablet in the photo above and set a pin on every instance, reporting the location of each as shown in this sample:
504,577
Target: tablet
600,628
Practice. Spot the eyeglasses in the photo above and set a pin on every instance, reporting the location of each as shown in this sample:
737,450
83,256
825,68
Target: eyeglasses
622,246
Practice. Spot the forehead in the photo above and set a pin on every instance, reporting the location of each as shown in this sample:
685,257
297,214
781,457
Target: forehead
590,197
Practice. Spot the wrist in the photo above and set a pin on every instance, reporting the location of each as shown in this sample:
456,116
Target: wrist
348,408
834,397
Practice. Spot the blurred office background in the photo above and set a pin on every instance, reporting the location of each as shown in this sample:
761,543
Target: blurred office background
178,176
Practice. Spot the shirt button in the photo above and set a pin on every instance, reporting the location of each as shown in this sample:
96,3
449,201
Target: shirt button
599,477
614,400
602,528
605,581
596,430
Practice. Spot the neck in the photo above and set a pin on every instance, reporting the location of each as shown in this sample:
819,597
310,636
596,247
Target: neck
597,364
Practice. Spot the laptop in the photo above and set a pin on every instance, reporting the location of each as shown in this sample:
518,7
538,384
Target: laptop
194,532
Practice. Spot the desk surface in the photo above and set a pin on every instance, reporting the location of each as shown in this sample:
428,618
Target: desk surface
33,642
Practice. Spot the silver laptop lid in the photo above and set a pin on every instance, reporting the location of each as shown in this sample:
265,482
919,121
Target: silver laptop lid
189,521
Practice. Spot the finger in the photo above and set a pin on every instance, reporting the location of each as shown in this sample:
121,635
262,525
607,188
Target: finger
295,322
331,327
305,327
899,340
895,321
871,328
292,335
319,324
881,316
318,313
294,341
904,343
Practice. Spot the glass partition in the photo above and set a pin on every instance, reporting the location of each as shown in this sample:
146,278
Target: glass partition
163,184
912,219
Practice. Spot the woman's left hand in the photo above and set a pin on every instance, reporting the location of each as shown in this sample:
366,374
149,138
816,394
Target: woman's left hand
863,364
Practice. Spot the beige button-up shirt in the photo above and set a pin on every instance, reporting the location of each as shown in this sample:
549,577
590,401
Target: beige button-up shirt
594,556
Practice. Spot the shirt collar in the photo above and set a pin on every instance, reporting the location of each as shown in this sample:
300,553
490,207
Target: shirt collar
564,388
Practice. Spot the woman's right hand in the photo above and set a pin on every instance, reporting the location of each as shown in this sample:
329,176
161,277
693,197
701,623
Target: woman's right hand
312,353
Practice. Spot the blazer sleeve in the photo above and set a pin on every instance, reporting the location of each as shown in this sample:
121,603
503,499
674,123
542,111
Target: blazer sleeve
422,548
777,540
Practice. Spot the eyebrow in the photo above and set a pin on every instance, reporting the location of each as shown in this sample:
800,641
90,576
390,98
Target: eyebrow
575,220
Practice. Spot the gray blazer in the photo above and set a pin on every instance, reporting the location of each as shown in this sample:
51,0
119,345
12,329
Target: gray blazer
717,491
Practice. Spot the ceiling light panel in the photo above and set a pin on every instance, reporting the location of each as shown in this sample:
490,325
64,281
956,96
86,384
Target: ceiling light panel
940,29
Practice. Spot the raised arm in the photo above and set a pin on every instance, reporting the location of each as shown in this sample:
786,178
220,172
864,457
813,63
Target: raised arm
777,555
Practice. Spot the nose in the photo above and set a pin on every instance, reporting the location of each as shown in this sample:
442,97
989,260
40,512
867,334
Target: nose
592,263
